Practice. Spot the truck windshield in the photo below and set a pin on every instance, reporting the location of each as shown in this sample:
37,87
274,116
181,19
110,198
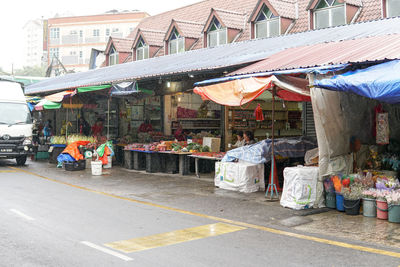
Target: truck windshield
14,113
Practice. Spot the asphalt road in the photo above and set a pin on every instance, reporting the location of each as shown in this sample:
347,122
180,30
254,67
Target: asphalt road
45,223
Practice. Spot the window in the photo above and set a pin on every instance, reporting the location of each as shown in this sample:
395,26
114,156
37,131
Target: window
176,43
266,24
73,32
393,8
329,13
107,32
54,33
142,50
72,53
113,58
81,33
80,54
96,32
115,30
217,35
54,52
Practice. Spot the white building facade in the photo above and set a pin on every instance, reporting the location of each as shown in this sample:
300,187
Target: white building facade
33,43
71,39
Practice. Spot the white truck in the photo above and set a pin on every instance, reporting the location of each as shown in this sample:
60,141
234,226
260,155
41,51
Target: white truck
15,123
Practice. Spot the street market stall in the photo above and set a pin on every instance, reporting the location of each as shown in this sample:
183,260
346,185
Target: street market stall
358,154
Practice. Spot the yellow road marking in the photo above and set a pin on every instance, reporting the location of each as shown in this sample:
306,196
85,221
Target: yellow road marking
174,237
248,225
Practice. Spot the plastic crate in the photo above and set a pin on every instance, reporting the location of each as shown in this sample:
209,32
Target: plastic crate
42,155
75,165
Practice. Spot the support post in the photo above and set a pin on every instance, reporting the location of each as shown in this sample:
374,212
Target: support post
272,185
108,119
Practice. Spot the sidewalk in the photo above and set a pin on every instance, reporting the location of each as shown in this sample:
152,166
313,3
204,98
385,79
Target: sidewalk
200,195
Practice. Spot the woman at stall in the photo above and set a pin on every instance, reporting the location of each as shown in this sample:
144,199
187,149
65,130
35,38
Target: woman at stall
248,138
240,140
84,127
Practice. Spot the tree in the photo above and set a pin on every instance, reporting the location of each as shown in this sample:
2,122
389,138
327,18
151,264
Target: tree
35,71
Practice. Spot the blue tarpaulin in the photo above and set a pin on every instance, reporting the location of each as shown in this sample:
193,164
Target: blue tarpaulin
261,151
380,82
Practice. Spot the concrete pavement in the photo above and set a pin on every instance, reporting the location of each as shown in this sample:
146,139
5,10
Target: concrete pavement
64,216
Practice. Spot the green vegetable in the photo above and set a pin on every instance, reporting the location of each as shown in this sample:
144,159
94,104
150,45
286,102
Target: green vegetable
205,149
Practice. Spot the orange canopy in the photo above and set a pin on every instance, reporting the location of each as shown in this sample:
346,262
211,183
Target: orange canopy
58,97
241,91
73,149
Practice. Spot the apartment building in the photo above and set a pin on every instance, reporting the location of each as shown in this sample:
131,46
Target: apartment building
218,22
71,39
33,43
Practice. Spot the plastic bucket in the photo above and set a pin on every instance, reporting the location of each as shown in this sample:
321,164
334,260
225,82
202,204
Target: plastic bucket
369,207
109,163
352,207
97,168
339,202
330,200
394,213
381,210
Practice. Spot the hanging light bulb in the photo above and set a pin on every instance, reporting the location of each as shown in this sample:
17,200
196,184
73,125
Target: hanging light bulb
168,84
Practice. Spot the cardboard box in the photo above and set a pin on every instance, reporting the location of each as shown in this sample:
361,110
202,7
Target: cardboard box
213,143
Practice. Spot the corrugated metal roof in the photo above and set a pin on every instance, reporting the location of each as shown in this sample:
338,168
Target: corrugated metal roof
350,51
216,57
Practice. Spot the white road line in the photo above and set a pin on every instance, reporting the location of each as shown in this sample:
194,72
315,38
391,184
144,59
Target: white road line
22,215
108,251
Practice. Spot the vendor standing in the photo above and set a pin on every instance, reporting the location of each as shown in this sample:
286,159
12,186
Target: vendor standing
97,128
84,127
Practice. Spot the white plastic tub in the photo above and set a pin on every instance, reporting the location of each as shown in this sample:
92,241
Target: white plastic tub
97,167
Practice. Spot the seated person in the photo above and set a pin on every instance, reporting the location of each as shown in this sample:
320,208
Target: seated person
240,140
249,138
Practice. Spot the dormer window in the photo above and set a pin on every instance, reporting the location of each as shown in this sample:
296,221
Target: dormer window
393,8
216,35
329,13
176,43
142,50
113,57
266,24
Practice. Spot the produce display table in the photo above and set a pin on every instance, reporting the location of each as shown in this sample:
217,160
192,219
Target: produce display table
197,159
119,153
182,159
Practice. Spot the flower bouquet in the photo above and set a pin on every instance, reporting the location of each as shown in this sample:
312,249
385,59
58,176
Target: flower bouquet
387,183
393,197
369,193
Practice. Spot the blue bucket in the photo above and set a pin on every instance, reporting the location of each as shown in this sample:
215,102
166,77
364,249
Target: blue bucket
339,202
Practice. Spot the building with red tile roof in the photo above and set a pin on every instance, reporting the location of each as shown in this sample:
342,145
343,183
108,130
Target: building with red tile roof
214,22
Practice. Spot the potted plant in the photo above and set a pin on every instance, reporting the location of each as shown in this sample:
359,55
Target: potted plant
352,196
369,202
393,201
381,204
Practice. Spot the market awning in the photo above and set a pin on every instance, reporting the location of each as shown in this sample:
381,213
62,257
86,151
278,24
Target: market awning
380,82
58,97
92,88
240,92
124,89
220,57
46,104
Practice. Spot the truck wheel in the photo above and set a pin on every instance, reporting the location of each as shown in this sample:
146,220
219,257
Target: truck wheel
21,160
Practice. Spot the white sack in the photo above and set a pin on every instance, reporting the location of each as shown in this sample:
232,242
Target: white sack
239,176
300,187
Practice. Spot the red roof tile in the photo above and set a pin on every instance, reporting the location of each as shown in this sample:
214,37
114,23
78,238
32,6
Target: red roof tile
231,19
151,37
122,44
286,9
189,29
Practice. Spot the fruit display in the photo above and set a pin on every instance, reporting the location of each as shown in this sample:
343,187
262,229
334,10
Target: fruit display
77,137
58,140
218,155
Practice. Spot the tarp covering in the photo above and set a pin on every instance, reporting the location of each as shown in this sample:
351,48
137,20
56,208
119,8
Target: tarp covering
380,82
92,88
261,151
124,89
58,97
73,149
240,92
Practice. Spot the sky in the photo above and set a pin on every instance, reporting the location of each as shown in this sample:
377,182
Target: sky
14,15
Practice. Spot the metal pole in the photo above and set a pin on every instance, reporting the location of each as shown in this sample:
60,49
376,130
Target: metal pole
272,186
108,119
66,126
